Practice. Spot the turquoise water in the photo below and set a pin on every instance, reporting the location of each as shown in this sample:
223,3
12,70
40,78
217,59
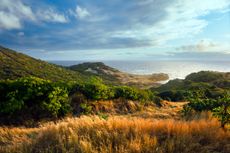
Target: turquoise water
175,69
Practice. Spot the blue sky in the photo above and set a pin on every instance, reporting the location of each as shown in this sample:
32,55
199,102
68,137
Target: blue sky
117,29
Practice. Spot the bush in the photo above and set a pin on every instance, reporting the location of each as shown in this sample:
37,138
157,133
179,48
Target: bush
174,95
32,98
222,112
133,93
95,89
219,106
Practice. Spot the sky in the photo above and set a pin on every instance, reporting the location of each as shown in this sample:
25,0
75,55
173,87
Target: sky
117,29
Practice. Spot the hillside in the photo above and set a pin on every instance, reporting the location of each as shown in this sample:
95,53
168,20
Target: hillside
15,65
209,84
114,75
202,79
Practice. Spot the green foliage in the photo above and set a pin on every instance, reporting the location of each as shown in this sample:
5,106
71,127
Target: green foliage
133,93
211,84
127,92
203,104
85,108
174,95
219,106
32,97
103,116
95,89
223,111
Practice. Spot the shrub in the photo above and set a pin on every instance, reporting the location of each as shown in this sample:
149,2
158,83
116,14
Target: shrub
85,108
95,89
219,106
223,111
133,93
174,95
32,97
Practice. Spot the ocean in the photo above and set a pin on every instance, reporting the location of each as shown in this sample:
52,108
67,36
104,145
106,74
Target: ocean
175,69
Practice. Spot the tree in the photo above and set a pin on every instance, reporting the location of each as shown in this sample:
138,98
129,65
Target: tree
223,112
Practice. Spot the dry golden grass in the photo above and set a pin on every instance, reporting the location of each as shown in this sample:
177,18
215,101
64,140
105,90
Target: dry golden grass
118,135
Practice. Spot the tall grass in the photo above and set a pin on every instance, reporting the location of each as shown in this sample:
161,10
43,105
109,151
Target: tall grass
118,135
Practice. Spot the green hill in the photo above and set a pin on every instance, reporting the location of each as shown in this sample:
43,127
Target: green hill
112,75
209,83
15,65
97,69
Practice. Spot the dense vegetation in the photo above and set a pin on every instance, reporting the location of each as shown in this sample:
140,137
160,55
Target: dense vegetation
210,84
32,98
220,107
205,91
95,89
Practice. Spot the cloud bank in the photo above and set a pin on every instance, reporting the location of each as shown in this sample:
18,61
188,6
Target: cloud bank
107,25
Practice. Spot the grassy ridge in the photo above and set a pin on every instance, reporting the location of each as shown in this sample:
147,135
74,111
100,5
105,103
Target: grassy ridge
15,65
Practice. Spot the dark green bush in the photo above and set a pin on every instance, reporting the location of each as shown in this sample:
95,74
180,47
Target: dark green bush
32,98
203,104
174,95
133,93
219,106
222,112
95,89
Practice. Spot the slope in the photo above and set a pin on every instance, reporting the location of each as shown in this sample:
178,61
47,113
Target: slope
113,75
14,65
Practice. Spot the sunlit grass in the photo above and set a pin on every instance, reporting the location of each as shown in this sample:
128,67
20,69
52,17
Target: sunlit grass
118,134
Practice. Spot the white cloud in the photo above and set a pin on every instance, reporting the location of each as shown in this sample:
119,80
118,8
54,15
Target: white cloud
12,12
80,13
206,45
17,8
51,15
183,19
9,21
